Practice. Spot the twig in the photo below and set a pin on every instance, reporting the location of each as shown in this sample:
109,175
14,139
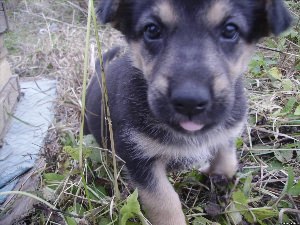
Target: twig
274,133
55,20
276,50
106,106
43,207
285,210
78,7
294,205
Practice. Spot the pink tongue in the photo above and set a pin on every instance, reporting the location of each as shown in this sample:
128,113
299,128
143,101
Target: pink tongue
191,126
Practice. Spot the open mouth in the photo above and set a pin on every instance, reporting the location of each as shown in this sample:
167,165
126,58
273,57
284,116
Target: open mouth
191,126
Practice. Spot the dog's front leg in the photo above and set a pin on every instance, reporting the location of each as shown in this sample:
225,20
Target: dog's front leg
224,163
160,201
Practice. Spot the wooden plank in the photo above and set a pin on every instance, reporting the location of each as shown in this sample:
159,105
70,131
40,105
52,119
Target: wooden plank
3,18
17,207
5,73
9,96
3,50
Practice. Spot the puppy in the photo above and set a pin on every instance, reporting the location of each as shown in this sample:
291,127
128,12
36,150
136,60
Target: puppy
176,98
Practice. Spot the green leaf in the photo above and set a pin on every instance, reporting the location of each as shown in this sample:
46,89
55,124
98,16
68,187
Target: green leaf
283,156
290,188
287,85
96,155
289,106
275,165
78,209
257,64
263,213
240,197
239,143
297,67
242,204
202,221
290,181
53,177
125,218
275,73
132,204
247,185
131,208
74,152
297,111
276,84
295,190
68,139
235,215
71,221
89,140
104,221
285,204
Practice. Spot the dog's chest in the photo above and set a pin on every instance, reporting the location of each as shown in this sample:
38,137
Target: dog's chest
180,154
182,151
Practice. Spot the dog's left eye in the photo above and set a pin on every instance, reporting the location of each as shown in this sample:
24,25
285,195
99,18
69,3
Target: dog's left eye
230,32
152,31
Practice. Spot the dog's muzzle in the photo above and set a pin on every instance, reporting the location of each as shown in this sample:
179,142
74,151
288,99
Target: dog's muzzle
190,101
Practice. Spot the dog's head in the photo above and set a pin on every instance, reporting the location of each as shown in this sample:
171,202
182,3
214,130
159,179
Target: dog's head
193,52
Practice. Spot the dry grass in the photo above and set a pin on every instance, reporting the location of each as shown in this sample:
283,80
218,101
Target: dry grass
47,40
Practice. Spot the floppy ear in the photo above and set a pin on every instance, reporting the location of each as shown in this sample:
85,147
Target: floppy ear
107,10
115,12
269,17
278,17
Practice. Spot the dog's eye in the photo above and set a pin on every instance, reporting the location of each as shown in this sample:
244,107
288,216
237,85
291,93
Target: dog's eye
230,31
152,31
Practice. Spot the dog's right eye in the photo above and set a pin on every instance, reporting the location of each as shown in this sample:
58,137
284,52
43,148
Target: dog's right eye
152,31
230,32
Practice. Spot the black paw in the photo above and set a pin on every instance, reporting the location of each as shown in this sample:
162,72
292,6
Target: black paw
219,180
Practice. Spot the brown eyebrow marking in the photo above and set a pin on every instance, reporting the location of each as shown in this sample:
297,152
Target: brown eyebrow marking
166,12
217,12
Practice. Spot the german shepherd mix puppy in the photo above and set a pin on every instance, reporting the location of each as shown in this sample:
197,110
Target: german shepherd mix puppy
176,97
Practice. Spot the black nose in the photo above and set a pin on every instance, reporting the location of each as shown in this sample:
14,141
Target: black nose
189,100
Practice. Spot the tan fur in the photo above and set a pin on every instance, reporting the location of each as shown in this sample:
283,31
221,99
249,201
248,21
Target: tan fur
217,12
166,13
162,205
225,163
136,55
239,66
192,149
139,60
161,84
220,84
213,62
153,148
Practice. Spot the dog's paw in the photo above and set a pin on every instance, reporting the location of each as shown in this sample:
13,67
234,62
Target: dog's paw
221,183
219,180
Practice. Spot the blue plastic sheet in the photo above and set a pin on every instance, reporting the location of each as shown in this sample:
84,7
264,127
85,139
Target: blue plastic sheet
28,128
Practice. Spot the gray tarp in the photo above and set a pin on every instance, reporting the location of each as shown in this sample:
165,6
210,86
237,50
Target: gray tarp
34,113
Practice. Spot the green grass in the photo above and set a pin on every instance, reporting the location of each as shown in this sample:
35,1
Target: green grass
266,189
